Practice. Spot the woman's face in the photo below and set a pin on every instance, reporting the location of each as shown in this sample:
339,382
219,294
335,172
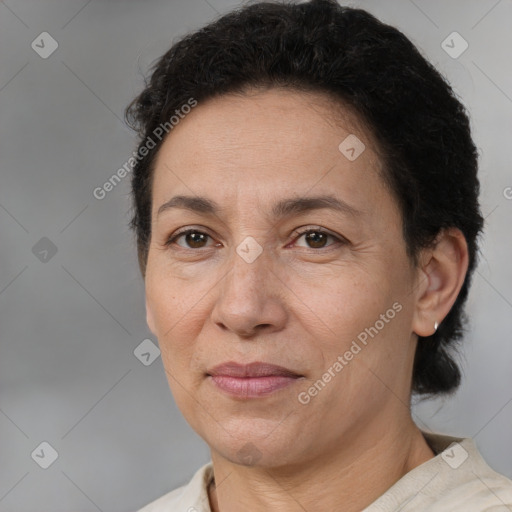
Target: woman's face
335,306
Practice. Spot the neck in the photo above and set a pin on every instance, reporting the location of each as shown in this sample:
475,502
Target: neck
348,479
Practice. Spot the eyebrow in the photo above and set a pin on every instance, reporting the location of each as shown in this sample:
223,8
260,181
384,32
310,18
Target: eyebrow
283,208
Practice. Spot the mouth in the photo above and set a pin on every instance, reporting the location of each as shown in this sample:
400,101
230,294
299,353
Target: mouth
251,380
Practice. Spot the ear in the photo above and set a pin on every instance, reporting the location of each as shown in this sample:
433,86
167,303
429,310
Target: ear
441,276
149,317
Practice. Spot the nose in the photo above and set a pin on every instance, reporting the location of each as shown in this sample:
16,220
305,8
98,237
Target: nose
250,298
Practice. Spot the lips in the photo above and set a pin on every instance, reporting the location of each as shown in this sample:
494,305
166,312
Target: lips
252,380
256,369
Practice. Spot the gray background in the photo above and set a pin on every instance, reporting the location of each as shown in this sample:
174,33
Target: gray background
69,325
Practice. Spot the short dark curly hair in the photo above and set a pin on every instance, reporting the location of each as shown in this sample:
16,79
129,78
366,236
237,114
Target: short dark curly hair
422,129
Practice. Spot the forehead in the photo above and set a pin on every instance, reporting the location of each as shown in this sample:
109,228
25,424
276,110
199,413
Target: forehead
274,141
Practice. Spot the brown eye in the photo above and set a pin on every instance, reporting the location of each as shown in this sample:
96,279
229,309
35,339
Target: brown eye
317,238
193,238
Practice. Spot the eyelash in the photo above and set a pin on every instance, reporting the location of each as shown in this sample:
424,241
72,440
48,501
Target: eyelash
172,239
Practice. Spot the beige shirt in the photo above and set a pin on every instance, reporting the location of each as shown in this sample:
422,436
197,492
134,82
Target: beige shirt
457,479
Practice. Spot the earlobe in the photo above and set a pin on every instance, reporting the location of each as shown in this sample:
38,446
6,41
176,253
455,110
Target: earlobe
443,272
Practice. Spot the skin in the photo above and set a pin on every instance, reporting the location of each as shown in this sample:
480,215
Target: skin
299,304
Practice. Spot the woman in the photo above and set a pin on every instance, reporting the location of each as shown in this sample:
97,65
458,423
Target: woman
306,214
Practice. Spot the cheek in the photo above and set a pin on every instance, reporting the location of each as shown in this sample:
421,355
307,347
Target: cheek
343,297
359,314
173,309
173,299
177,324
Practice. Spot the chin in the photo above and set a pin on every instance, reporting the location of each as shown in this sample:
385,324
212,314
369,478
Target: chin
250,446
